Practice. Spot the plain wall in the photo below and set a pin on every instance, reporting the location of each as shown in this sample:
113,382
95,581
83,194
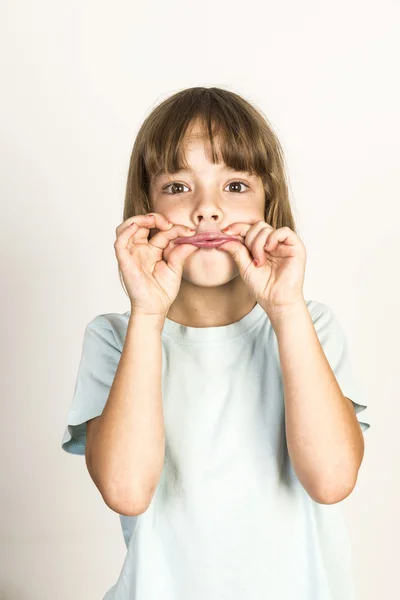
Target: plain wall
78,78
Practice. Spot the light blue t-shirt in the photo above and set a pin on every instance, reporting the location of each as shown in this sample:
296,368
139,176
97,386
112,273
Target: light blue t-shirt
229,519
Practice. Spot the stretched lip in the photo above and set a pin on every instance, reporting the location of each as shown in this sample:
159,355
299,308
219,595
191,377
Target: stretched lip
207,239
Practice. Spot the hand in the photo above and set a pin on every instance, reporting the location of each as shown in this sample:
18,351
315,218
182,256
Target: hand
277,283
152,283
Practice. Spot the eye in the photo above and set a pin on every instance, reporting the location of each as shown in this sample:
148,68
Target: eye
240,183
176,184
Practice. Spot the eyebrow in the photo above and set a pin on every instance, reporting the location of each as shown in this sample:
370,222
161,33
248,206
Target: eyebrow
221,168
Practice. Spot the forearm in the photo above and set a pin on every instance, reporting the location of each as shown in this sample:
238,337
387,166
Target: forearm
325,442
127,449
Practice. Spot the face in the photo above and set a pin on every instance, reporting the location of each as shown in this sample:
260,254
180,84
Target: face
209,197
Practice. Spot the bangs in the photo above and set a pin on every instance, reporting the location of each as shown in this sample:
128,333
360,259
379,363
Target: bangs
229,131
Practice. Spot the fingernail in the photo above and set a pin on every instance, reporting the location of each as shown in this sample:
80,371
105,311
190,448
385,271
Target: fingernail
225,229
256,262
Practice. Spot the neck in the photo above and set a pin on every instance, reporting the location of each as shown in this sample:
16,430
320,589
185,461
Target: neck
197,306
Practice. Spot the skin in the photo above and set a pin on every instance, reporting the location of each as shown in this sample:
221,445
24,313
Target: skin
212,292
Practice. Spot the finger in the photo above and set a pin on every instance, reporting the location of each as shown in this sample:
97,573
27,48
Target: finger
149,220
163,238
259,243
281,243
250,233
284,235
237,229
140,226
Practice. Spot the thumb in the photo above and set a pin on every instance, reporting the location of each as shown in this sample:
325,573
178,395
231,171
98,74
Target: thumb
178,256
239,253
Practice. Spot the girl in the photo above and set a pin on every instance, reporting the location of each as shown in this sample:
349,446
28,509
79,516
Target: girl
219,416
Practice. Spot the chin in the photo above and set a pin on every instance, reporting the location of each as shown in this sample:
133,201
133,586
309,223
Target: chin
209,276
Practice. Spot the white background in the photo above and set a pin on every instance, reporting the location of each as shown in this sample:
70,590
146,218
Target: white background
78,78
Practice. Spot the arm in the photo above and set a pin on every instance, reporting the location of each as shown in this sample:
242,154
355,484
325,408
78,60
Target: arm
126,443
325,441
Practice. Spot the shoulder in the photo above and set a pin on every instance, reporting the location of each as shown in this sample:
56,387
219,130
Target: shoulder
326,322
318,309
110,327
322,315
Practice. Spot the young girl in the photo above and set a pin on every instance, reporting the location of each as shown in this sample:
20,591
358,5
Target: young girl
219,416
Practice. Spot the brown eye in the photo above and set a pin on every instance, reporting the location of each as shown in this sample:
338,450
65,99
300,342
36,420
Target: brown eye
235,184
175,184
176,187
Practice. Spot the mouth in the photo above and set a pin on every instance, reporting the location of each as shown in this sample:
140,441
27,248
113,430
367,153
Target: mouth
207,239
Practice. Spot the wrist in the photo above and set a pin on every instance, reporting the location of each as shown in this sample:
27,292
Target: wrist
284,314
153,320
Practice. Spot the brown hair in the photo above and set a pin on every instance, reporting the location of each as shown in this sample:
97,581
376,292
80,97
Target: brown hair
247,142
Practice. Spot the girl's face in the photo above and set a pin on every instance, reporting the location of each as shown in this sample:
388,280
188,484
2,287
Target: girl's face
207,197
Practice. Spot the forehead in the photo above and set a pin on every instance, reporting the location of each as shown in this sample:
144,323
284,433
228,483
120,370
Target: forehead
218,168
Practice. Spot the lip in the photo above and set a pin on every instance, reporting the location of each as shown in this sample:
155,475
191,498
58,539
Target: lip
207,239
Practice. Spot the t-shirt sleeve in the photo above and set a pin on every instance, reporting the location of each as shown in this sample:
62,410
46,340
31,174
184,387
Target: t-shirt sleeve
98,365
336,348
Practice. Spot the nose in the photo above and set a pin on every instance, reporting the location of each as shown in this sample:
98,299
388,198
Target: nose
211,218
208,213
